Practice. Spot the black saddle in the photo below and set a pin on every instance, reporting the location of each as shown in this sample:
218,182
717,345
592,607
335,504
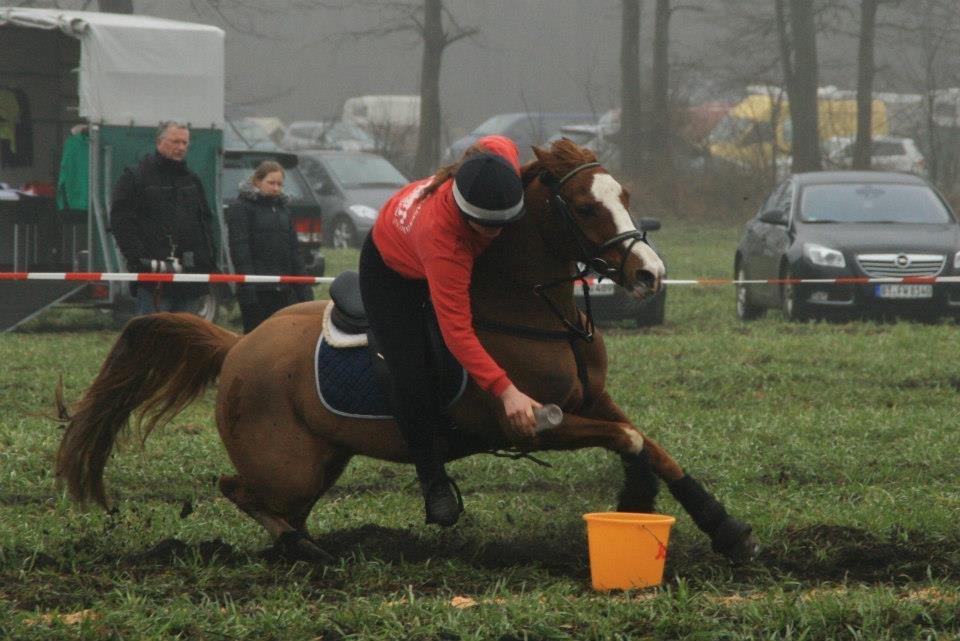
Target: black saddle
348,312
350,317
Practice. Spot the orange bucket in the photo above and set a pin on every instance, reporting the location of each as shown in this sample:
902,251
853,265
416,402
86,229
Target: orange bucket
627,549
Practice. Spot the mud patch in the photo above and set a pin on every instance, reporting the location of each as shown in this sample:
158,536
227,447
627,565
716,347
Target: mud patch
168,551
394,545
826,552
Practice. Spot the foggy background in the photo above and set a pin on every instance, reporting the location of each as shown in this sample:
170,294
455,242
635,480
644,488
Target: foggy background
296,60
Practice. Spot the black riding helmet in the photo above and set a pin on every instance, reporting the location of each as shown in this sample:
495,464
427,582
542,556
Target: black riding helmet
488,190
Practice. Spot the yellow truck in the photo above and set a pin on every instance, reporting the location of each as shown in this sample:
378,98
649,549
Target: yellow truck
760,124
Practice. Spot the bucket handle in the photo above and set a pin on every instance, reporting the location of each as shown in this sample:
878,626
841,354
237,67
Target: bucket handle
661,548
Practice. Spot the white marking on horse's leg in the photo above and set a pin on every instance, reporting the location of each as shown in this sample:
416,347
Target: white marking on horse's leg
636,440
607,190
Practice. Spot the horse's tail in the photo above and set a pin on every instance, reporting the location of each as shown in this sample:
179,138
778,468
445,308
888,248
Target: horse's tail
159,364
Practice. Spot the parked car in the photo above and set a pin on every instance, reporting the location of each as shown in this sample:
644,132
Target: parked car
888,153
244,133
326,134
525,129
613,305
352,187
238,166
827,225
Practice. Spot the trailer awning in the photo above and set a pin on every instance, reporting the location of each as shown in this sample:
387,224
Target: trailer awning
138,70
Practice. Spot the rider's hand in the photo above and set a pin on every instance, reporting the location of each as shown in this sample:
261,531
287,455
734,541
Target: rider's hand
519,410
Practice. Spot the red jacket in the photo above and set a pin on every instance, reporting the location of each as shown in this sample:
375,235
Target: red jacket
429,239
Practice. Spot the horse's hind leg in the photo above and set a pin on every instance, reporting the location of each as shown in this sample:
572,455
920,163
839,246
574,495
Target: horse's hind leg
285,517
283,471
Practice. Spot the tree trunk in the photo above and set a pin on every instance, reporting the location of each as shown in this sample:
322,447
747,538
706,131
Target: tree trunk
865,72
803,90
659,152
434,41
115,6
630,136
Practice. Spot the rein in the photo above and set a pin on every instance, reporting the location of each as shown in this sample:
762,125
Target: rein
592,261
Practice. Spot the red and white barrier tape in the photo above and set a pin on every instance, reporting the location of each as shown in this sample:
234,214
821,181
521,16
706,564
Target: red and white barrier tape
164,278
842,280
313,280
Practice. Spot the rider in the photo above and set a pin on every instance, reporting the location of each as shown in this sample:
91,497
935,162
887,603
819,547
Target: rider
421,250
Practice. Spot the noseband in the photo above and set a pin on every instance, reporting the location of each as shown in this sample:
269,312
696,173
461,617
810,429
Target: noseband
591,254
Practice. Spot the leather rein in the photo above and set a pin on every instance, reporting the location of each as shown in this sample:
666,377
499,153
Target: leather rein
591,259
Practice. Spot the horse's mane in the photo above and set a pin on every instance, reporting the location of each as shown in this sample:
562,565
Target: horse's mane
564,155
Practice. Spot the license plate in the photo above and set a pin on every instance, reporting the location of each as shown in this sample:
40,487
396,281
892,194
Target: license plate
602,288
904,291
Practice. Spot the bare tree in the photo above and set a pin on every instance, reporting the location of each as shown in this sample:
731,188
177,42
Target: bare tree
425,18
798,55
659,136
631,118
866,70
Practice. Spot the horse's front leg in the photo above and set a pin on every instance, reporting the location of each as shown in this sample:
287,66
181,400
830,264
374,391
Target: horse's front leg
606,422
640,482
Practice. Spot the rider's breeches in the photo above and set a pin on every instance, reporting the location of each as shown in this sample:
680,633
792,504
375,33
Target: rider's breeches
396,309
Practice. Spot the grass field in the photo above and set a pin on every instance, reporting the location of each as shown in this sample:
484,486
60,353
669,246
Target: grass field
839,442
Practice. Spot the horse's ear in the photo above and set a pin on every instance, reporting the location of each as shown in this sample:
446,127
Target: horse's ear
541,154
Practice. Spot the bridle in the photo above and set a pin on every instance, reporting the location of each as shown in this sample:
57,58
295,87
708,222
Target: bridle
591,254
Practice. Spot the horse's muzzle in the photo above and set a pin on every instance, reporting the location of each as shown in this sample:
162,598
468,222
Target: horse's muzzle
645,284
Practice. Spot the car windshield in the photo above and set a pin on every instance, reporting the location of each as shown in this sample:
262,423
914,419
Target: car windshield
365,171
581,138
239,134
342,131
878,148
872,203
496,124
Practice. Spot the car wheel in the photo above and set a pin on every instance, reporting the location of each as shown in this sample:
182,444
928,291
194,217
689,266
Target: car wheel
343,234
208,307
793,308
746,311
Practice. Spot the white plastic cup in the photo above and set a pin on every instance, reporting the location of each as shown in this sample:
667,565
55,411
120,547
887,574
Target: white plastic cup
548,417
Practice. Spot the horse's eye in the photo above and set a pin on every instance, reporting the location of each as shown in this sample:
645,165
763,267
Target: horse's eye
586,210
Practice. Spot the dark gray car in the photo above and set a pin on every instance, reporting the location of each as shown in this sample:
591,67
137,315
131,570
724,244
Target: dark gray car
352,187
846,224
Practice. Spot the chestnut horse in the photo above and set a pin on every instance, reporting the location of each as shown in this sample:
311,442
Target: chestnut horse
288,449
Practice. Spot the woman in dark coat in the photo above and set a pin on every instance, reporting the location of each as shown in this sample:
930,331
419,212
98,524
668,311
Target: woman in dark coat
263,241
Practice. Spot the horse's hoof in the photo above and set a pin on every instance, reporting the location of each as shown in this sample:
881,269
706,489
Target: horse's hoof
298,546
734,540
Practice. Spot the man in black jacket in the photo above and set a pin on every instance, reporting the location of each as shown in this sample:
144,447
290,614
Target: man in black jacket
162,223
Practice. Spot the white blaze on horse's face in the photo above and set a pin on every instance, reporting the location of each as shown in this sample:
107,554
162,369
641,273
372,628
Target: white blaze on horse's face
646,278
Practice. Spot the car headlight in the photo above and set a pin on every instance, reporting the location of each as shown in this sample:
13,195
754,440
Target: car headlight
956,260
364,211
824,256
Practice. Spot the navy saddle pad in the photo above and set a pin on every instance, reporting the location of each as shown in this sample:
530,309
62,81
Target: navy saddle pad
348,385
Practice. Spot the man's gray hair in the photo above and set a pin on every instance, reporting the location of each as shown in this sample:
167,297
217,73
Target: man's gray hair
167,125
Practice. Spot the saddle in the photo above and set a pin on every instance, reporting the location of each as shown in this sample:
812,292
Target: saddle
351,373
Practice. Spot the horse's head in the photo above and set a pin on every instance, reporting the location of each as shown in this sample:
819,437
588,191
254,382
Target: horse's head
588,210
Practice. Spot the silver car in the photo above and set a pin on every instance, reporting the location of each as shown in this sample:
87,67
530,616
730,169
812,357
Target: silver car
352,187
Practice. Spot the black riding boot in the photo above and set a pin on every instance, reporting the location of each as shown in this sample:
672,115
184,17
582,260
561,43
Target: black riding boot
441,496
